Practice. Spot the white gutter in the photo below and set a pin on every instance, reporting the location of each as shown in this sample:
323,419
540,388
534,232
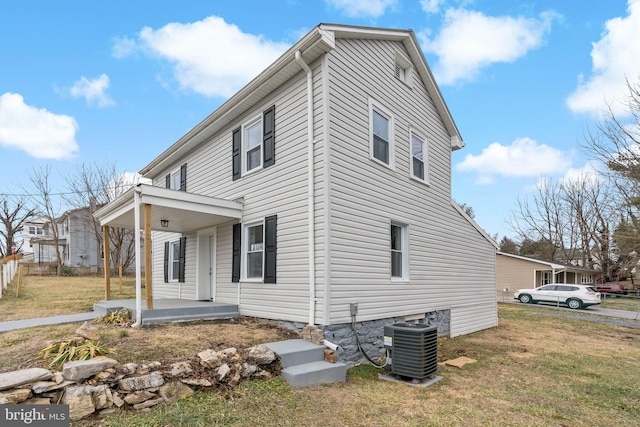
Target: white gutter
136,228
310,188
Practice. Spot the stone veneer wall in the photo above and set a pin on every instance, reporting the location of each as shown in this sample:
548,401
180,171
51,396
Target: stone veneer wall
370,334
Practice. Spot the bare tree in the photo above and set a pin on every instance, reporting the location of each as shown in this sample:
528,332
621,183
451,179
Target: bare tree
13,215
542,217
48,207
94,186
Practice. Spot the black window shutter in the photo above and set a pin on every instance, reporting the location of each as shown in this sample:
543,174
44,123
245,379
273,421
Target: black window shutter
167,181
236,155
166,262
183,177
181,259
269,136
236,253
270,248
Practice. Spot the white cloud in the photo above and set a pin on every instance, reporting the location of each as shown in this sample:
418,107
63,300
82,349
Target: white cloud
523,158
362,8
586,174
123,47
431,6
94,91
615,57
40,133
469,41
209,57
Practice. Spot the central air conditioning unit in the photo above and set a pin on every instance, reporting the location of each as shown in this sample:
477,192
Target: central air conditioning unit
413,349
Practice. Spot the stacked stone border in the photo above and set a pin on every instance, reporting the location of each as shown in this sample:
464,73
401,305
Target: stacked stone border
102,386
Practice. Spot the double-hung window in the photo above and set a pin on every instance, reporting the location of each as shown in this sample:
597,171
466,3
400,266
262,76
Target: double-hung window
177,179
253,144
254,251
252,149
174,260
419,169
399,252
381,134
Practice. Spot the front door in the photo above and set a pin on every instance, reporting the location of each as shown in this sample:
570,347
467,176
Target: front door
206,261
212,266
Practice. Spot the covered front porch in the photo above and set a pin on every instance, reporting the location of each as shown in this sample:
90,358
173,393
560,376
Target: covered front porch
145,209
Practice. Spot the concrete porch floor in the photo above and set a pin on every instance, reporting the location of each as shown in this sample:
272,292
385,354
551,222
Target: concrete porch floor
170,310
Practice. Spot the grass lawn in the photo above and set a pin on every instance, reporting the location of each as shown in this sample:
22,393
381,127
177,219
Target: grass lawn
532,370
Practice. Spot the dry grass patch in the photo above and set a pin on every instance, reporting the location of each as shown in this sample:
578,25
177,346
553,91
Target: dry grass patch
43,296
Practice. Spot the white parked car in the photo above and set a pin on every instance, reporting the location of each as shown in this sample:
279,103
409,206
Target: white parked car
573,296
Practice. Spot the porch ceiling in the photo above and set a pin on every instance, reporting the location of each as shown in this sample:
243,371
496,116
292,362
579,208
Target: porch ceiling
184,211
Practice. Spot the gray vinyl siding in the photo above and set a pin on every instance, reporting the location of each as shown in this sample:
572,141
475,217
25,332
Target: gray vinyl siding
279,190
451,263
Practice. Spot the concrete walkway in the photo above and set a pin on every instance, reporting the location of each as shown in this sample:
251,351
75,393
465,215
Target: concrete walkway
53,320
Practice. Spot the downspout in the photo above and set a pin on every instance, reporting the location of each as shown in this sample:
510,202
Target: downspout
136,228
310,187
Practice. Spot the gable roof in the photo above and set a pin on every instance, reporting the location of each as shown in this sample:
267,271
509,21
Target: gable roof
550,264
318,41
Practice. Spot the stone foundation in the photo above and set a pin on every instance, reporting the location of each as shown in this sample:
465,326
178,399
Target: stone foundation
370,334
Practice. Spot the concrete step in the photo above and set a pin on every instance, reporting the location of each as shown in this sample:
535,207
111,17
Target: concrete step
304,364
314,373
296,352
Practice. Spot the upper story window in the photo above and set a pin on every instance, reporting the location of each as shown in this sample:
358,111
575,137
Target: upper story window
418,157
177,179
381,134
403,69
253,144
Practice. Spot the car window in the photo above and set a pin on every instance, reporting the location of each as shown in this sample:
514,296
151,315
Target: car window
572,288
590,289
547,288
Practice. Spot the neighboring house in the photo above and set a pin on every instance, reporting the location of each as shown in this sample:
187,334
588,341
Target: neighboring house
31,229
324,182
77,241
518,272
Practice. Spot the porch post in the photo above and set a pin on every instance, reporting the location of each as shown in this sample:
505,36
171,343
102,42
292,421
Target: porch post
136,234
107,262
148,282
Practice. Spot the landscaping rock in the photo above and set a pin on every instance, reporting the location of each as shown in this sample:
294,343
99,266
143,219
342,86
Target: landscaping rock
139,397
151,380
45,386
248,370
210,358
81,369
197,382
179,368
24,376
148,403
260,354
174,390
88,331
80,402
101,395
14,396
222,371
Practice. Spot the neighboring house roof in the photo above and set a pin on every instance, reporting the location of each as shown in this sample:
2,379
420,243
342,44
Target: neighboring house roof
549,264
318,41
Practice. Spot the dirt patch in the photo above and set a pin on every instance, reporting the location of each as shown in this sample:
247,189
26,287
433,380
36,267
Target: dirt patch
165,343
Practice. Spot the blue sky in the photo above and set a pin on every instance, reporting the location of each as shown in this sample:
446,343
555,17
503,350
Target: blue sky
85,82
